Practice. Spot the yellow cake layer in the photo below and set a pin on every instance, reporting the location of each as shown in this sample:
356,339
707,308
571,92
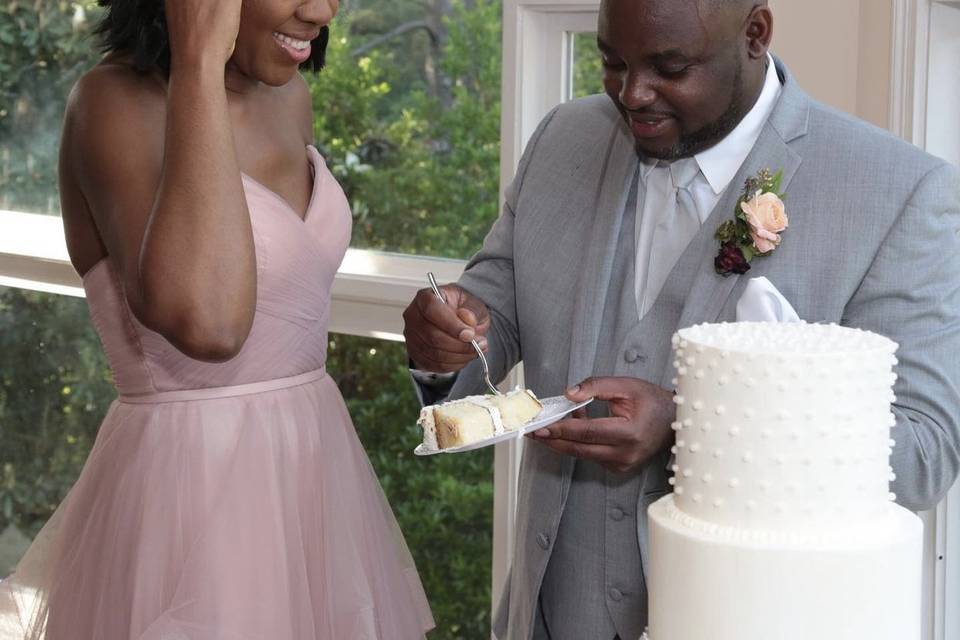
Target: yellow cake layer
462,422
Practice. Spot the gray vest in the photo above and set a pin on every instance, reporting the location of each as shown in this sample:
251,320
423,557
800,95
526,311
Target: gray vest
594,587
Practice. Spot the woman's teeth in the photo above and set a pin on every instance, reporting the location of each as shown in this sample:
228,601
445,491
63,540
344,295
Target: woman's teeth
292,42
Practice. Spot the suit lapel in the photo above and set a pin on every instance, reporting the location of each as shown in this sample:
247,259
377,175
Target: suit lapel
772,151
594,280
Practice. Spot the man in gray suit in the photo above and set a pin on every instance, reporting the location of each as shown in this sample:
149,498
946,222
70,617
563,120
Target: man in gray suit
606,247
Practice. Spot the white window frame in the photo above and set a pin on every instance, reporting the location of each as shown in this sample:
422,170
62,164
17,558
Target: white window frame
537,75
370,291
909,118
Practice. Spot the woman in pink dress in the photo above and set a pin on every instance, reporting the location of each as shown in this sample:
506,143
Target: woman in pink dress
227,496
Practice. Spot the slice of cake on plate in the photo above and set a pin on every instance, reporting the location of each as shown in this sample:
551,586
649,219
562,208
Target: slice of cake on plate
475,418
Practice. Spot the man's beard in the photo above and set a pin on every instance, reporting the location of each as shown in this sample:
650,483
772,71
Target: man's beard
690,144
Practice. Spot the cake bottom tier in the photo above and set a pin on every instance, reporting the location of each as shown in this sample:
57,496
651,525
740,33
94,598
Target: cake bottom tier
716,583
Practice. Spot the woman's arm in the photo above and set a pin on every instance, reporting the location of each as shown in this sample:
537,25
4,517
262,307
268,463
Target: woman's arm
159,173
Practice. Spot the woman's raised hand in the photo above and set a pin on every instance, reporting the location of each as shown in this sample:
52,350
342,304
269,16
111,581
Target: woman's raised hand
202,31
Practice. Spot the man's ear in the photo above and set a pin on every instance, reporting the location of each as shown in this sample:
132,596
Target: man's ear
759,31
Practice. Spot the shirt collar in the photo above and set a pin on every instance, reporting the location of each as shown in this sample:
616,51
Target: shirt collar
721,162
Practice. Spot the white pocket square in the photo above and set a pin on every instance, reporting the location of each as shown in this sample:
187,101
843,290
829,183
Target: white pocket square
761,302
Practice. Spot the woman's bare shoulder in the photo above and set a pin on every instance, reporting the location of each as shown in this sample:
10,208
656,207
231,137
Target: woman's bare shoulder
115,114
113,93
112,141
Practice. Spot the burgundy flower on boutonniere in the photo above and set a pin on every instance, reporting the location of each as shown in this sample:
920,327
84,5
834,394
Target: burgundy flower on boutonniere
731,260
757,225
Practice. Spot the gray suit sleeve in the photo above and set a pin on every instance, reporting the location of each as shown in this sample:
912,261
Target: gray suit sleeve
490,276
911,294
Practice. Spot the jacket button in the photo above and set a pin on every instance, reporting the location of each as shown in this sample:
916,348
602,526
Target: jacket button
615,594
617,514
631,355
543,540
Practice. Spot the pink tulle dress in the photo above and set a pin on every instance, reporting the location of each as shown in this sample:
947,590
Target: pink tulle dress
227,501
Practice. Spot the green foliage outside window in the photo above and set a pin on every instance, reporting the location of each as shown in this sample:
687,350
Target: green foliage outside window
587,71
44,47
425,178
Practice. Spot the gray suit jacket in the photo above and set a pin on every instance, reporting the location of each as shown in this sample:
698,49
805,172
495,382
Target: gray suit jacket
873,243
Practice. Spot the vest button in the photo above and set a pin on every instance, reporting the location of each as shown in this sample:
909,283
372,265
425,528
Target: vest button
543,541
631,355
617,514
615,594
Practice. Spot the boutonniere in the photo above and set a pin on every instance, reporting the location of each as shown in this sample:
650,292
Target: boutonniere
755,230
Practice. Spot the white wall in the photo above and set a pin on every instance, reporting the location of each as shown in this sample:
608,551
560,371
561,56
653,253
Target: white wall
943,97
839,50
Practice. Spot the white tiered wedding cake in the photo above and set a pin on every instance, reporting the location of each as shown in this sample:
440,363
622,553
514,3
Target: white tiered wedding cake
781,525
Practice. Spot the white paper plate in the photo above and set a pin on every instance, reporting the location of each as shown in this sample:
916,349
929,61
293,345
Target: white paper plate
553,410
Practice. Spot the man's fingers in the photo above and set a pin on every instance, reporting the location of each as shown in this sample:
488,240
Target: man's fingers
453,355
428,337
474,312
425,364
608,388
427,361
439,333
479,328
614,456
442,316
467,316
600,453
449,361
606,431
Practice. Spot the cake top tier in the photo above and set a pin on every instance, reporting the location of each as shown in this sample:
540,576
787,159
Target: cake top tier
782,427
785,338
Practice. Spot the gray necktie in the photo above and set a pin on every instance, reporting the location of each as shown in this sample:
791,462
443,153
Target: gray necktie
676,227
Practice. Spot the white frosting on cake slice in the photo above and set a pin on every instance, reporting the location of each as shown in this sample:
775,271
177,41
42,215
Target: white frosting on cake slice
474,418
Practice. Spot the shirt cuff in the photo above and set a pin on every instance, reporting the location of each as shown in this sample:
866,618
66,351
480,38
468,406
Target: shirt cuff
431,388
431,379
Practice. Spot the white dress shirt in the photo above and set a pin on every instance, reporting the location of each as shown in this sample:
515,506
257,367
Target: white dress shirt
717,167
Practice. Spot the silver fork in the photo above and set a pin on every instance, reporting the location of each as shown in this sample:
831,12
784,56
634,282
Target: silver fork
476,346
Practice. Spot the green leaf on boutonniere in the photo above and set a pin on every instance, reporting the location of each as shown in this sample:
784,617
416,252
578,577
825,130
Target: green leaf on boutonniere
748,252
727,231
774,185
738,213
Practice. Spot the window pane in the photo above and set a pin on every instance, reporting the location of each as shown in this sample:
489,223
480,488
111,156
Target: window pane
407,113
943,93
587,70
55,388
44,48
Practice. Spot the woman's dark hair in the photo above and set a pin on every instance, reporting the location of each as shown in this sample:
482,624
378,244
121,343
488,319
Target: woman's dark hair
139,28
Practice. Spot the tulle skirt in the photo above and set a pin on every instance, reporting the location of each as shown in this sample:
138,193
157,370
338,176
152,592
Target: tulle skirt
255,516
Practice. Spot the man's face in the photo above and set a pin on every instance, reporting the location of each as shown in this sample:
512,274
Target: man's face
675,72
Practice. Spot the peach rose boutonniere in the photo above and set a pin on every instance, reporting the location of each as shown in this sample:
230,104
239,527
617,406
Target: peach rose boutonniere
757,225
